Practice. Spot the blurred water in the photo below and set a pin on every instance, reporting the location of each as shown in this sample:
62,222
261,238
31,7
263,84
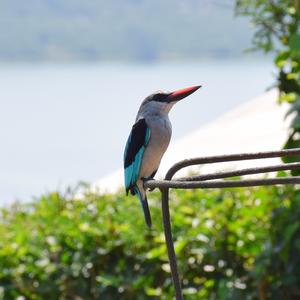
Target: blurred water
61,124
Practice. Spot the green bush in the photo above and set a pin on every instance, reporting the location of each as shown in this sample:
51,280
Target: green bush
277,31
231,244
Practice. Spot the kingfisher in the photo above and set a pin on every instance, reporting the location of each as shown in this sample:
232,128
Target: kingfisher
147,142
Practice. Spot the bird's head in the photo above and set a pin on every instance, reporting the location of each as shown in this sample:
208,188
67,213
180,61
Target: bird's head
164,101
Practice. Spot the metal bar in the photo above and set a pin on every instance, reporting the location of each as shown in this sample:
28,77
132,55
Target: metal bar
242,172
221,183
231,157
169,243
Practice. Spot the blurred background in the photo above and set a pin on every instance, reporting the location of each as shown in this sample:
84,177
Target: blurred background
73,74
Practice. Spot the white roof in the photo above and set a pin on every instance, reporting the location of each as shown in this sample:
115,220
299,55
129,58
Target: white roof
257,125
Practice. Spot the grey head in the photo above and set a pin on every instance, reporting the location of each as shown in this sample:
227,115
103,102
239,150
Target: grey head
161,102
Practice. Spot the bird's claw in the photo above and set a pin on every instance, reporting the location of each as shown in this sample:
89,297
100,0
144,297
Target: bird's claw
146,179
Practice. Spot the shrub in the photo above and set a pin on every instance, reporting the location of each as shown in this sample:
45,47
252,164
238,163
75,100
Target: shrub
231,244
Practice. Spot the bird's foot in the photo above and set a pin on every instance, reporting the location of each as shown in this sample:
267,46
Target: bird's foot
146,179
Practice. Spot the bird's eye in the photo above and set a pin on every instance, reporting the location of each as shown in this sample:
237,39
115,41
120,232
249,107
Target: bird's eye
159,97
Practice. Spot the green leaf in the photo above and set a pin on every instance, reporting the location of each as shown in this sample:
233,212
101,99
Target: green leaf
288,97
157,252
282,58
153,292
295,107
296,122
289,231
180,244
294,43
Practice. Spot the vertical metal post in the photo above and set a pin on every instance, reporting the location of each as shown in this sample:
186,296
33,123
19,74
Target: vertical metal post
169,243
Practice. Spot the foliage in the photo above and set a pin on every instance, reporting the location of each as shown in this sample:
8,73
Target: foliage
277,24
231,244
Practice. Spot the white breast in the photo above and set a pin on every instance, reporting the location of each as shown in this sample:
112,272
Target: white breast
160,135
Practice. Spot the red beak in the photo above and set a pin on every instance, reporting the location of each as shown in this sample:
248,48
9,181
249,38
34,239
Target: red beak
180,94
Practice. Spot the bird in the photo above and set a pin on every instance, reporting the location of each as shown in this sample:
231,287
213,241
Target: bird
147,142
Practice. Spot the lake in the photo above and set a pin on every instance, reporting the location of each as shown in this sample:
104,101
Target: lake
60,124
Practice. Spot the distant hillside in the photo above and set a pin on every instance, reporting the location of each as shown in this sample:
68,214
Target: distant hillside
39,30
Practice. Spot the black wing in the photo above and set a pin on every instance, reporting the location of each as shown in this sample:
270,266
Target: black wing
134,151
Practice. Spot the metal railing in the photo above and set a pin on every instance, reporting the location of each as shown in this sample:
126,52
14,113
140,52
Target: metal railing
212,181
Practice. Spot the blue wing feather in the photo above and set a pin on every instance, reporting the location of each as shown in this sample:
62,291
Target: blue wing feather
134,152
